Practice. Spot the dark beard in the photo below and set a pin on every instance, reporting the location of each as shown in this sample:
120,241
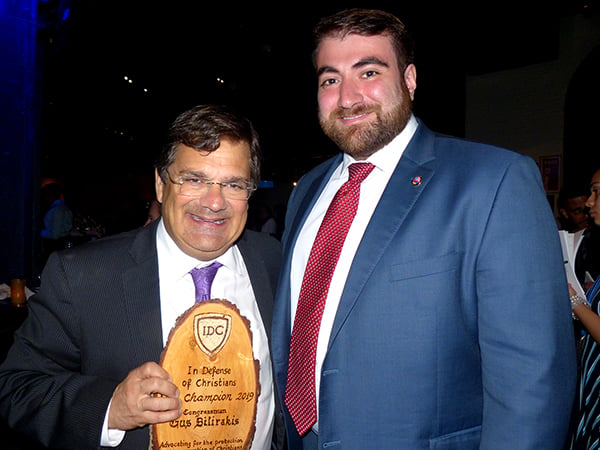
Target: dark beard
361,141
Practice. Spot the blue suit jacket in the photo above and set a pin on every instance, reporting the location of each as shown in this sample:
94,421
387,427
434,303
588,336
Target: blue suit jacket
453,330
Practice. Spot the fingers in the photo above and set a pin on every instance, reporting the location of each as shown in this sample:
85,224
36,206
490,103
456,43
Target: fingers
571,290
145,396
151,369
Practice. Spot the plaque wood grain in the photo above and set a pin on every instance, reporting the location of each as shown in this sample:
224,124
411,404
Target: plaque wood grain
209,357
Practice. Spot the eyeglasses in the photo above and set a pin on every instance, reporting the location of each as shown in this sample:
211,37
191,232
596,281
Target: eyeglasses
194,186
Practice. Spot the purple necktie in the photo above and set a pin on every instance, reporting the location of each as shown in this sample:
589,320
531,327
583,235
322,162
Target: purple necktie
203,278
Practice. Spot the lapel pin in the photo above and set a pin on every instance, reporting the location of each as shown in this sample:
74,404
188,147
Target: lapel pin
416,180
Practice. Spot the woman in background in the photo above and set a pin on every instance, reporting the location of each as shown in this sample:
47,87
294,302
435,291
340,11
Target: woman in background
585,432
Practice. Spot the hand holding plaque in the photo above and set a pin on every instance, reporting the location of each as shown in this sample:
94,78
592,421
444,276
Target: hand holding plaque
209,357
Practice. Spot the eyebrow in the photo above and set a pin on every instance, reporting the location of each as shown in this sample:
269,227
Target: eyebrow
202,175
357,65
368,61
193,173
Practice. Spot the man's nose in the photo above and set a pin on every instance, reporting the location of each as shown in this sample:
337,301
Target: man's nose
350,94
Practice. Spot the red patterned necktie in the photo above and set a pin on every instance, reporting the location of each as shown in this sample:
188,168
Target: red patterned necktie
300,391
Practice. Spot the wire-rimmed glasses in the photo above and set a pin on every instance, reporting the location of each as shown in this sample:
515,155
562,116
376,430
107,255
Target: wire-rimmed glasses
195,186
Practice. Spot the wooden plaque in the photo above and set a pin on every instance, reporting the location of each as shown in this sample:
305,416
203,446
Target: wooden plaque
209,357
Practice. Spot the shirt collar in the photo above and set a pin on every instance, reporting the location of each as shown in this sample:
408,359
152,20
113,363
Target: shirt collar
180,263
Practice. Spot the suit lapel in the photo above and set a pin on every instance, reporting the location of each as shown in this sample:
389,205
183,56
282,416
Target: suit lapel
259,278
307,192
411,176
311,193
141,293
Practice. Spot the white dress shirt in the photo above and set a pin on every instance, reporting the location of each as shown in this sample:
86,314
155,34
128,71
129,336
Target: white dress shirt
385,161
177,295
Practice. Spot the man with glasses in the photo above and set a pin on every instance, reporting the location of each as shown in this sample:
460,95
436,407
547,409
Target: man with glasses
83,370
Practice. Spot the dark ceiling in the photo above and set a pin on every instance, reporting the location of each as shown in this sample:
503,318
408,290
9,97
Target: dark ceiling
257,57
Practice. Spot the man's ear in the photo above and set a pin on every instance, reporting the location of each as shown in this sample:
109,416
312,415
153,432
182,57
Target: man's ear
158,186
410,79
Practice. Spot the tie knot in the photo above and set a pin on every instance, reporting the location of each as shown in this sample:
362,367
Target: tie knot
359,171
203,278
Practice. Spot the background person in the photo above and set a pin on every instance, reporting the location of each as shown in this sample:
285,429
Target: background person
57,220
445,323
585,432
573,214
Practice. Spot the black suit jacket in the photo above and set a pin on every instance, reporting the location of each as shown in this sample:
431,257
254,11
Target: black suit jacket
95,318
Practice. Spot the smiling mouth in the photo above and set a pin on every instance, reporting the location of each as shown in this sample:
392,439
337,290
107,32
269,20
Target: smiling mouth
204,220
358,116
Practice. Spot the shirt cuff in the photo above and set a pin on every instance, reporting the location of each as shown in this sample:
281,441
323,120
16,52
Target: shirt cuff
110,438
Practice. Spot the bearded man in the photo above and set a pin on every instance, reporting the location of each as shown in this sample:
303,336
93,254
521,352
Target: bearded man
413,310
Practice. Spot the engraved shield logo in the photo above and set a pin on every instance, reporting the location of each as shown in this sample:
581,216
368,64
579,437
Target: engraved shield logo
211,332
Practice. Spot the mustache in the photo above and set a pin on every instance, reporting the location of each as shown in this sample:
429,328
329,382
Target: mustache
354,111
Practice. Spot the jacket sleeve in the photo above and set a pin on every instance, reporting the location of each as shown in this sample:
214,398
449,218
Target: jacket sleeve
43,391
525,329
